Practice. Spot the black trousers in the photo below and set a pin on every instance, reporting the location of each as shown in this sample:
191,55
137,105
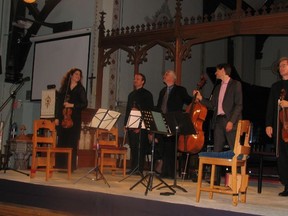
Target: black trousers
68,138
138,143
221,137
283,162
168,146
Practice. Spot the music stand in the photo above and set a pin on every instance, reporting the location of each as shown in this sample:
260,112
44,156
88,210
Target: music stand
180,124
135,122
103,119
7,155
155,123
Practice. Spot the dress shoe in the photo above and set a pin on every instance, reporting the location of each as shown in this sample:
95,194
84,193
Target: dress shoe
284,193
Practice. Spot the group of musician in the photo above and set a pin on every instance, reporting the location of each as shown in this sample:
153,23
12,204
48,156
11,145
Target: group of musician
226,102
172,97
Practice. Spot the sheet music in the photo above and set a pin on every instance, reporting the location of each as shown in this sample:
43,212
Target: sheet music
160,122
109,120
155,122
104,119
97,119
134,120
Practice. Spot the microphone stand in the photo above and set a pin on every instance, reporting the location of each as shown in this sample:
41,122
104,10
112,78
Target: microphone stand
7,147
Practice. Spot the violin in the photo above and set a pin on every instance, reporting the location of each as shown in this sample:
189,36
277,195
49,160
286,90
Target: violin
67,121
283,117
197,112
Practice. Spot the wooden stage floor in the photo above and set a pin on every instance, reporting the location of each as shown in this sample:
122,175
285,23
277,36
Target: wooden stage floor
266,203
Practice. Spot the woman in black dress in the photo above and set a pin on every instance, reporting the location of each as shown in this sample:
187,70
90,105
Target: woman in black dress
71,100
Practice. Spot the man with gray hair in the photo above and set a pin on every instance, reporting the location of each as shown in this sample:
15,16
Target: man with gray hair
171,99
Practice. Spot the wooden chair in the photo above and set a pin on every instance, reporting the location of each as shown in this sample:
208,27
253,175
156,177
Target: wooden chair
109,150
44,149
236,160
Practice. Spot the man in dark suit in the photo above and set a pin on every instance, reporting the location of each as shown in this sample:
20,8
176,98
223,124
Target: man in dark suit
139,99
171,99
226,103
278,100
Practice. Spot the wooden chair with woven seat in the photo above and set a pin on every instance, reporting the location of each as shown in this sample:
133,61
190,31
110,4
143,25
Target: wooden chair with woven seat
236,160
109,150
44,149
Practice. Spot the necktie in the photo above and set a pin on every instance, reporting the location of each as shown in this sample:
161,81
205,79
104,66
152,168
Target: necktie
165,99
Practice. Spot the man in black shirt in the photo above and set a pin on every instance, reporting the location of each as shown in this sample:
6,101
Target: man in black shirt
140,99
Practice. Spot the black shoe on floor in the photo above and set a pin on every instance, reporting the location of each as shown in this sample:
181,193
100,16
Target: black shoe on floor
283,193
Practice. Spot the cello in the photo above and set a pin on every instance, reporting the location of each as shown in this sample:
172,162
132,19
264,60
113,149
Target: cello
194,143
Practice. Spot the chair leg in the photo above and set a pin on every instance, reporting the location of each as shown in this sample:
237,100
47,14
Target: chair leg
124,164
243,188
69,164
33,166
199,181
234,186
101,162
212,179
48,164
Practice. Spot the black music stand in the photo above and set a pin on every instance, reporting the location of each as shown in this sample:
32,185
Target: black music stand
155,123
180,124
7,154
103,119
135,122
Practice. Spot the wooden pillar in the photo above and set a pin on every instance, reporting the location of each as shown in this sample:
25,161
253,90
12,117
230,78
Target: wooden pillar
178,60
99,83
136,68
239,8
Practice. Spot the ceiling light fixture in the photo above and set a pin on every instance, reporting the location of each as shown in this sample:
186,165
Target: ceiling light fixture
29,1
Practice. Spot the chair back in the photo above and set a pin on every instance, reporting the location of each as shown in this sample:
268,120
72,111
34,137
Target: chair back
242,146
44,132
107,138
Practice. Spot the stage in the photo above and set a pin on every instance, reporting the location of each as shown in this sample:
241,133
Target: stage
90,197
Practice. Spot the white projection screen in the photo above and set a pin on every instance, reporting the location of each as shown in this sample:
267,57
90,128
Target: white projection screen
54,56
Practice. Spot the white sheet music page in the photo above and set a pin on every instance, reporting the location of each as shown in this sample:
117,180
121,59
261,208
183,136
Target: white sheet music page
134,120
109,120
97,119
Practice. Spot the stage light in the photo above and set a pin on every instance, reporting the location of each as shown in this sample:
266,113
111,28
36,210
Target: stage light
29,1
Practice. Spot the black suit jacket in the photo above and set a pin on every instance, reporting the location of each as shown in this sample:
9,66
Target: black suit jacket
177,98
232,102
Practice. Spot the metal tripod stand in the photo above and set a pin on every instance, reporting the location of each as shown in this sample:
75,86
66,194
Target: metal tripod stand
98,174
180,122
175,165
149,177
136,169
7,154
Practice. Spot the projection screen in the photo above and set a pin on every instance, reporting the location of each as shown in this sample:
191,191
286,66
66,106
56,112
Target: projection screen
55,54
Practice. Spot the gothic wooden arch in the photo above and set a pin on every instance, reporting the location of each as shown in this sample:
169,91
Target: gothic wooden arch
180,34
